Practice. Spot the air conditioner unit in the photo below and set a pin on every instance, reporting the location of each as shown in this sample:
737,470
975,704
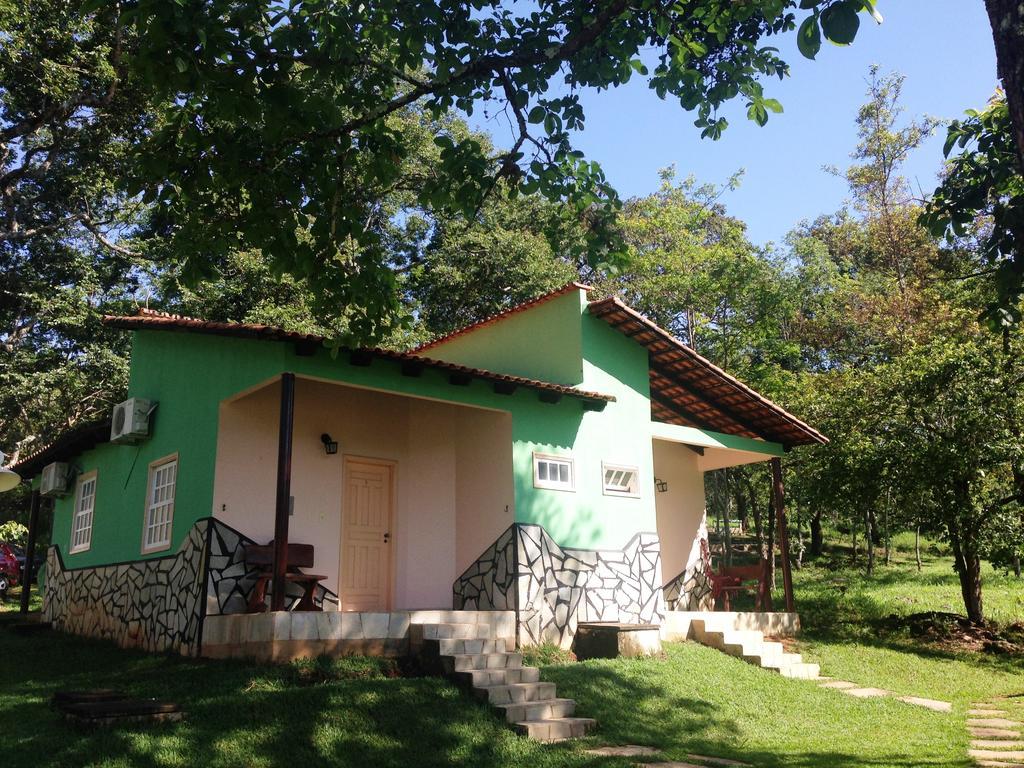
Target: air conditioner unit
54,481
131,420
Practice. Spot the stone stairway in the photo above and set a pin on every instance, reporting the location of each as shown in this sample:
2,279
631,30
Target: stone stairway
491,670
720,633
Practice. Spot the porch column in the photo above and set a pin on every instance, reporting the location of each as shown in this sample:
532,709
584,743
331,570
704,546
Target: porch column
778,497
284,489
30,549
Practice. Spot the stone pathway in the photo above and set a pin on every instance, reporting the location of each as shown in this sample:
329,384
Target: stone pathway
996,739
864,692
634,750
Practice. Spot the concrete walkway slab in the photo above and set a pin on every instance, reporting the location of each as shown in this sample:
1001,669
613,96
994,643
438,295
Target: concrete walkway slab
866,693
840,684
996,744
716,761
933,704
992,754
994,733
992,722
989,712
625,750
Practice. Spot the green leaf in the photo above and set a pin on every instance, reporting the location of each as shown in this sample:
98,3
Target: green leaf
536,114
841,21
808,37
774,105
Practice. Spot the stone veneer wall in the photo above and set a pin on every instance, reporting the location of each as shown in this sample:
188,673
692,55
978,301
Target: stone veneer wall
152,604
158,604
690,590
230,581
552,589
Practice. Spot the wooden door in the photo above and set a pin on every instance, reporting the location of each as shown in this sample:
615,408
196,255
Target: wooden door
367,513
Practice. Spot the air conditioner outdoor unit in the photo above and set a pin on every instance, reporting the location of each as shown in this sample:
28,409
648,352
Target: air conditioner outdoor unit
54,481
131,420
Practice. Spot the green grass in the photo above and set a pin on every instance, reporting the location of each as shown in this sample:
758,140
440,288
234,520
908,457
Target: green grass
841,611
355,712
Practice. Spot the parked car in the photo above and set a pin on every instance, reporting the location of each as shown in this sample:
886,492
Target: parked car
19,555
10,569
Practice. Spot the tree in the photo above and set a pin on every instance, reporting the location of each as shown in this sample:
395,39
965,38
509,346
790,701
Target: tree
983,184
69,111
279,118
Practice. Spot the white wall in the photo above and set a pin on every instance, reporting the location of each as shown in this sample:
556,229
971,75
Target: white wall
454,469
680,510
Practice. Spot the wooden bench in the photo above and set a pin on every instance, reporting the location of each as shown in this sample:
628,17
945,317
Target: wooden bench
299,556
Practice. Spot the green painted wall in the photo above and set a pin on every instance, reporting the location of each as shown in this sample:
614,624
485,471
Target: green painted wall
543,342
189,375
586,518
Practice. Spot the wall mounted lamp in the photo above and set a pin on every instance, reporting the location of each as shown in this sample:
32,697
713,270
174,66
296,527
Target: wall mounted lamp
330,445
661,485
9,479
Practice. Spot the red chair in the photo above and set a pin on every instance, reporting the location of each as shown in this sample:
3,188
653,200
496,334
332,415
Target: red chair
736,578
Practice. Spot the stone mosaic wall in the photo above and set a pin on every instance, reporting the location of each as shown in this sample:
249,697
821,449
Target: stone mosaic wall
229,581
151,604
552,588
158,604
690,590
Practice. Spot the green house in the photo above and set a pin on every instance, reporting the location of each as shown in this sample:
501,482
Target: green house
545,464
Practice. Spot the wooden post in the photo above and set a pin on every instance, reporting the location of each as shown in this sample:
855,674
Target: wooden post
284,489
778,496
30,549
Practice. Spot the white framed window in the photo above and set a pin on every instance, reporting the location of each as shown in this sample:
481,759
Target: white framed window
81,520
620,480
156,527
553,472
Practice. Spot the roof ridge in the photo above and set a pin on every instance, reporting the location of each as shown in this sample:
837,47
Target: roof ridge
571,285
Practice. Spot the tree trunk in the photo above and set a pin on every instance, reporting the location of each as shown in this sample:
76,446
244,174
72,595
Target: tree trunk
869,540
917,546
853,528
1016,566
885,530
1007,20
771,544
968,568
726,499
817,540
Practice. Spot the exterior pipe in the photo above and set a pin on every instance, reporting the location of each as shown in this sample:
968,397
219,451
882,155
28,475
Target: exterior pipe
30,549
284,490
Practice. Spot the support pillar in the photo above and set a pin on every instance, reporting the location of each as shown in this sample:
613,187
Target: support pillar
284,489
30,549
778,498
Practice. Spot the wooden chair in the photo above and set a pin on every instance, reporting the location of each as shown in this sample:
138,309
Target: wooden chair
299,556
735,578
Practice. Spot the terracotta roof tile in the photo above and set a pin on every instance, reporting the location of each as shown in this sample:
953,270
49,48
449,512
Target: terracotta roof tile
690,390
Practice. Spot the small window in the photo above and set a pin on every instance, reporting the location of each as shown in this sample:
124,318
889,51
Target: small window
163,476
621,481
554,472
81,522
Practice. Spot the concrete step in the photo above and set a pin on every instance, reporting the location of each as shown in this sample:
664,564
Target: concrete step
461,647
455,631
556,730
515,693
478,678
467,661
545,709
801,671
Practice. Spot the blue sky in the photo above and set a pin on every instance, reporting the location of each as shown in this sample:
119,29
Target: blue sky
944,47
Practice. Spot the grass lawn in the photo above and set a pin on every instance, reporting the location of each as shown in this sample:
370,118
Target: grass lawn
692,700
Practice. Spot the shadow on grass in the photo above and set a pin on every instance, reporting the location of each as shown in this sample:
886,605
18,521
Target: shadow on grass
240,713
